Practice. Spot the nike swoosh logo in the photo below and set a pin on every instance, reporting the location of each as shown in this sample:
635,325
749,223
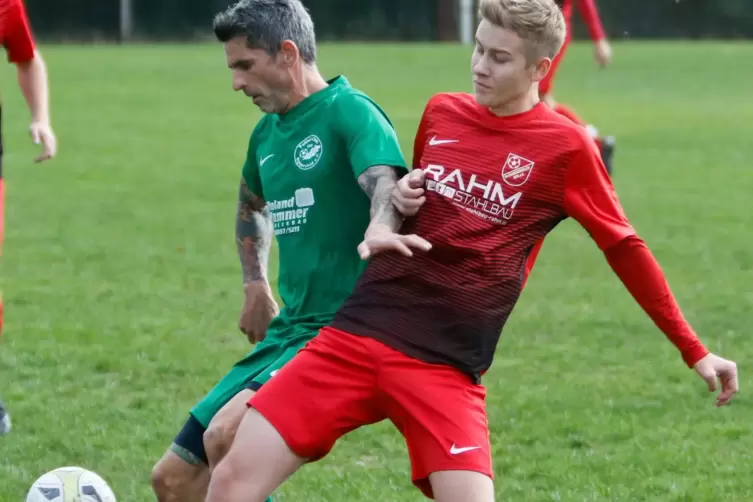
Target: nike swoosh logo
434,141
455,450
262,161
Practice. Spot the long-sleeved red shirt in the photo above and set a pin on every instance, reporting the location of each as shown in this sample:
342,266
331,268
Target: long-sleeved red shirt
590,15
495,187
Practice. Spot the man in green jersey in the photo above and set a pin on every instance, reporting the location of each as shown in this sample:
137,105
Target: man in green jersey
320,169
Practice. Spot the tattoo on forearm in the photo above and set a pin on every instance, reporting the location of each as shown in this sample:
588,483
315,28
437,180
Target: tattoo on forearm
253,235
379,182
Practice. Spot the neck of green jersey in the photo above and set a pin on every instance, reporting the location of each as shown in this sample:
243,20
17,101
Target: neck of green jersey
310,101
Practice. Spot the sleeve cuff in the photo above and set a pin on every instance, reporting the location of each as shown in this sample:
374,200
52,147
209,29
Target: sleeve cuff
695,354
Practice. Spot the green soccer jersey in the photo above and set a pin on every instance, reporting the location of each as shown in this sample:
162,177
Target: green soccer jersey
305,164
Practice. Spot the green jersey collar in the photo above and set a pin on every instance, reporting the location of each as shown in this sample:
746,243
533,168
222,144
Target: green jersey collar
333,86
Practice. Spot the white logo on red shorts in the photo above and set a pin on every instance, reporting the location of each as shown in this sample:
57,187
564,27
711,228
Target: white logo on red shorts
454,450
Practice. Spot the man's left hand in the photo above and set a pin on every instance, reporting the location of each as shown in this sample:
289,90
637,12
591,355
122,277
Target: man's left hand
380,238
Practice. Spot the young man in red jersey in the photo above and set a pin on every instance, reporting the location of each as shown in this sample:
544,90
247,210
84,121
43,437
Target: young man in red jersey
411,343
15,36
603,55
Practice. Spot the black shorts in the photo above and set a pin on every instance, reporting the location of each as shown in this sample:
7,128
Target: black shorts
191,440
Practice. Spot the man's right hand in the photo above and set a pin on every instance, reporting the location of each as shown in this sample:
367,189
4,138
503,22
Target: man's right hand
41,132
603,53
409,196
712,368
259,308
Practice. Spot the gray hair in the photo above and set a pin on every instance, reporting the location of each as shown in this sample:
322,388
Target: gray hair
268,23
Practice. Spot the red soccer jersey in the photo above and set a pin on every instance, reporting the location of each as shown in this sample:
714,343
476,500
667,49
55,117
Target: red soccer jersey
495,187
15,34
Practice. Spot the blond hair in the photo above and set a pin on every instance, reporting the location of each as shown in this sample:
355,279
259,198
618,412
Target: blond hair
539,23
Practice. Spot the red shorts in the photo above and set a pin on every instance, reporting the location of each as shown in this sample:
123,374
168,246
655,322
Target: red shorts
545,85
340,381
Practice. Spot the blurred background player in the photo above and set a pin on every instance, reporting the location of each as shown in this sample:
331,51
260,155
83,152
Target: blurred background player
603,55
15,36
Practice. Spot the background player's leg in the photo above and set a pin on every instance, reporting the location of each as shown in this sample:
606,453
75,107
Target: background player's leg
2,223
4,420
182,474
606,144
545,85
461,486
4,416
258,462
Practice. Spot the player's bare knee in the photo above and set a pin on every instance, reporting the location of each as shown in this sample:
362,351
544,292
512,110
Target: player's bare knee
217,440
461,486
222,429
157,480
172,479
227,481
164,482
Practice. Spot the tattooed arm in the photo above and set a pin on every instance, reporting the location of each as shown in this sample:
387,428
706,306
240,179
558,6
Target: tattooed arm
253,236
379,182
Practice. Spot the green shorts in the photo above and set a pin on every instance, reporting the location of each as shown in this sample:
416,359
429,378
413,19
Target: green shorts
251,372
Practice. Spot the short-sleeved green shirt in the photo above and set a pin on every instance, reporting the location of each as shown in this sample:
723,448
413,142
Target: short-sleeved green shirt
305,164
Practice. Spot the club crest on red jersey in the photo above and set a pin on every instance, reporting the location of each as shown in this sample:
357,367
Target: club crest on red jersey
516,170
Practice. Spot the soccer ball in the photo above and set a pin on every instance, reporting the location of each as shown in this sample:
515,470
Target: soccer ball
70,484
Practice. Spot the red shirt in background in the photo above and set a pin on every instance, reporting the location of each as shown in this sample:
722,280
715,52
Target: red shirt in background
15,34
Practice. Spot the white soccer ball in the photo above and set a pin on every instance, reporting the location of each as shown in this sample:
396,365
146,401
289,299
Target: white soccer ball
70,484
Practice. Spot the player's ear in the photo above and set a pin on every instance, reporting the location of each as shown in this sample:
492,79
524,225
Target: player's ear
541,68
288,52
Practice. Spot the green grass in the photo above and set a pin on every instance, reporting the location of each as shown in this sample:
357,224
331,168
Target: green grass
122,288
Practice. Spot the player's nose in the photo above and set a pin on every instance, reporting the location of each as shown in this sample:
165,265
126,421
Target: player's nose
479,68
238,83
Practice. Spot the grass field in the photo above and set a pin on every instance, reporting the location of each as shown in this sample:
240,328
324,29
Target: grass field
122,287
